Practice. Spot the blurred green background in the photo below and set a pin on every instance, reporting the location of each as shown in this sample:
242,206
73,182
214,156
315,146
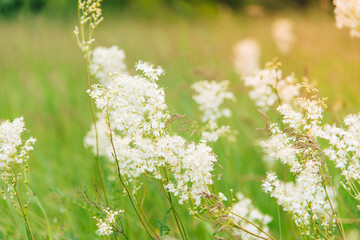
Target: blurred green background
42,77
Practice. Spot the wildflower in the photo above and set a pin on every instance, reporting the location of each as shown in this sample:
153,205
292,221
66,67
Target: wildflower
247,57
267,87
13,153
103,136
244,209
210,95
107,226
282,33
136,115
105,61
149,70
347,14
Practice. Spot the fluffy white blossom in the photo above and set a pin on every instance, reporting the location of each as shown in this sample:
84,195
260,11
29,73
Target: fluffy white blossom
283,34
347,14
106,226
13,153
247,210
102,135
105,61
267,86
305,199
247,57
136,112
149,70
210,95
344,151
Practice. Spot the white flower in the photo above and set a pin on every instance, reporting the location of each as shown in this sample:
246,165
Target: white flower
149,70
13,153
347,14
247,57
267,87
245,209
105,61
282,33
135,109
105,227
102,134
210,95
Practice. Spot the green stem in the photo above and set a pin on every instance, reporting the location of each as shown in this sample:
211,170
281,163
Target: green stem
126,187
177,219
96,132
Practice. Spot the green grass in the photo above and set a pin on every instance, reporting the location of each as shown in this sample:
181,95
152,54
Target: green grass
42,77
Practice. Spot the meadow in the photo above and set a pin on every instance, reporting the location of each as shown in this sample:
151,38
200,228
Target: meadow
43,78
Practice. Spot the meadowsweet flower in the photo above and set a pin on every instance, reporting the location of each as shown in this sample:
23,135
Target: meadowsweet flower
136,115
247,57
245,209
282,33
210,95
149,70
347,14
13,153
105,61
267,87
344,150
308,199
107,226
102,134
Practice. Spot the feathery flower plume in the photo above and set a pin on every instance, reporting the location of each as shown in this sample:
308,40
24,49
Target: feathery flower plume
210,95
14,166
267,86
245,209
347,14
136,115
107,60
247,57
283,35
107,226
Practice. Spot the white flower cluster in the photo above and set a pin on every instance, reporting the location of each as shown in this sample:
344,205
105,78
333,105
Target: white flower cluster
268,86
103,135
105,61
306,199
344,151
13,152
287,146
283,35
247,210
134,108
210,95
247,57
347,14
106,227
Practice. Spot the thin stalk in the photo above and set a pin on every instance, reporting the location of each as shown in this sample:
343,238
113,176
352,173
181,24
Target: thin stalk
96,132
279,219
24,215
336,219
91,104
181,228
45,215
125,186
253,224
248,232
